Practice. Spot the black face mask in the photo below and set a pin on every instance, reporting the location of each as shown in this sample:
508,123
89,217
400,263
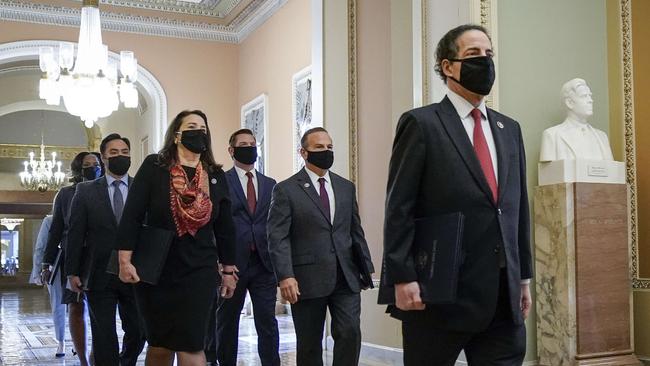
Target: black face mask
91,172
119,165
195,141
322,159
476,74
245,154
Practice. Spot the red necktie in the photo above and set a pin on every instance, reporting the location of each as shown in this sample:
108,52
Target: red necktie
250,193
252,201
324,198
483,153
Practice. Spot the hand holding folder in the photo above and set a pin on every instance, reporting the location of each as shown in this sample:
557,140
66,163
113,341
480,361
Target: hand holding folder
438,255
149,255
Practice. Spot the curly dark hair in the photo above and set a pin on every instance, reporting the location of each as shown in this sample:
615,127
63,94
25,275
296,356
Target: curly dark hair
76,166
448,48
167,155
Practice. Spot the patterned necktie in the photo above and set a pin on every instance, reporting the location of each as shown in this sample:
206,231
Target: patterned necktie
324,198
250,193
483,154
118,200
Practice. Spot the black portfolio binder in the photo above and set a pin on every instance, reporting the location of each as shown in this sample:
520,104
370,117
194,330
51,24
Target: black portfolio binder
149,255
56,267
362,265
438,256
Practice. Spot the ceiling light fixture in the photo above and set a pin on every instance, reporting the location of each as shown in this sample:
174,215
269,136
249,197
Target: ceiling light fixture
90,83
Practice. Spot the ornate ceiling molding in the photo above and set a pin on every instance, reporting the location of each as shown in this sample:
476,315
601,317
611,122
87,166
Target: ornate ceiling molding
209,8
255,15
19,151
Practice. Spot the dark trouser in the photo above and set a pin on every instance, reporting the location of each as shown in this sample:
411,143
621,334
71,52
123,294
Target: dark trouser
309,320
103,304
501,344
262,286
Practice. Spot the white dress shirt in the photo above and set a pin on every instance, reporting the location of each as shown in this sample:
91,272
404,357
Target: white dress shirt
124,188
328,188
243,180
464,110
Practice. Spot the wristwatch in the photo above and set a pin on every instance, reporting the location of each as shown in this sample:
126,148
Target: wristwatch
228,273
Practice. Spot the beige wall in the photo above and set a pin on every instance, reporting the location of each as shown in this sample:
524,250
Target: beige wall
374,117
268,58
375,133
194,74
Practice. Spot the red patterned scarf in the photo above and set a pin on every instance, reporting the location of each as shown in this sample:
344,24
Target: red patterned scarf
190,201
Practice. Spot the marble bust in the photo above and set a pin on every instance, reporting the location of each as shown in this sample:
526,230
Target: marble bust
575,138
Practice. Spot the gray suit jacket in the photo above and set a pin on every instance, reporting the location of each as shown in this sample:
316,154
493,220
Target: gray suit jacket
304,244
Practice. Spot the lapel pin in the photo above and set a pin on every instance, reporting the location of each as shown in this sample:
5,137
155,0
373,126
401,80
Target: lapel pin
306,185
214,181
499,124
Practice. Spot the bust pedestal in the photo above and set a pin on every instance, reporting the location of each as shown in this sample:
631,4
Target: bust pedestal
582,275
581,170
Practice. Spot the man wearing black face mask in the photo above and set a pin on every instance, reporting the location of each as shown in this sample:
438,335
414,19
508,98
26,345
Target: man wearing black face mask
94,217
460,157
250,193
319,253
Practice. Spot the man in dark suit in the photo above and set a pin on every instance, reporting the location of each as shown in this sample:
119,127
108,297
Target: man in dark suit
314,231
459,156
250,193
96,211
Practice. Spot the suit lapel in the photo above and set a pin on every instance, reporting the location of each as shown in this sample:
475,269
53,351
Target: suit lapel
262,189
235,185
339,197
454,127
503,155
305,184
102,192
568,136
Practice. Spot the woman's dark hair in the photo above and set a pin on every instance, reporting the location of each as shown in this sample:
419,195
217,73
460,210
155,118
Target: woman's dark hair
76,166
167,155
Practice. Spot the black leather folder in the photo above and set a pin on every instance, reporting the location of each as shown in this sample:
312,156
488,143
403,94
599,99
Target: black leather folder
362,265
56,266
149,255
438,256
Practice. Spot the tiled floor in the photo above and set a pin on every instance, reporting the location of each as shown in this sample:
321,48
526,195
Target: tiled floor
26,334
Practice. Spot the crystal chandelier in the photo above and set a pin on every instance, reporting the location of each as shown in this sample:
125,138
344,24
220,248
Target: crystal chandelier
39,175
90,83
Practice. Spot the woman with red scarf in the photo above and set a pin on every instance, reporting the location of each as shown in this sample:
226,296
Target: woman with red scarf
183,190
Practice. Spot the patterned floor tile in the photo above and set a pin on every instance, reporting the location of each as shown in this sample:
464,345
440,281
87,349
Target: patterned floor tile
26,334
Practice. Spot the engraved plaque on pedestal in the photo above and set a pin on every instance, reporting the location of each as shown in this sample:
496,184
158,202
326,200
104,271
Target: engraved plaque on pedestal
582,275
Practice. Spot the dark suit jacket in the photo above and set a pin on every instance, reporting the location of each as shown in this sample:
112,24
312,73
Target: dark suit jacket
250,227
92,223
434,170
60,223
304,244
149,203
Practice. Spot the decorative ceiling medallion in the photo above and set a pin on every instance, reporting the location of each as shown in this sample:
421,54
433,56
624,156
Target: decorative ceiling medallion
243,25
209,8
